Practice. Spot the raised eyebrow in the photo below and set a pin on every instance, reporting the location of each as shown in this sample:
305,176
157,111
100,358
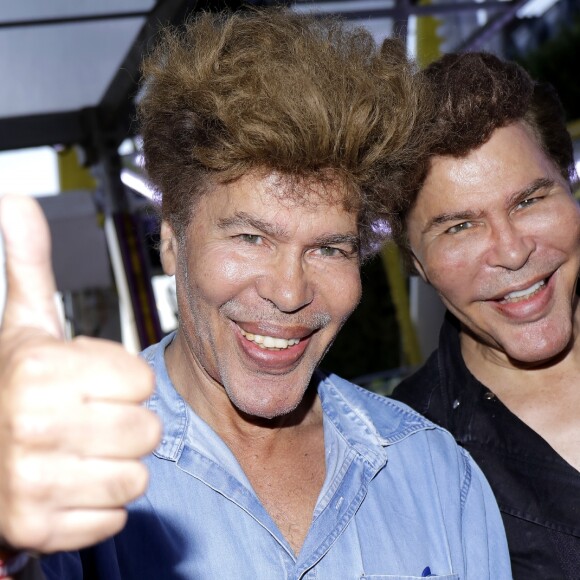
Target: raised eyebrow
244,219
445,218
514,199
350,239
537,184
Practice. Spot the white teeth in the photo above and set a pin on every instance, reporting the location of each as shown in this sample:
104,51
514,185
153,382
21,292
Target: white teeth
515,296
270,341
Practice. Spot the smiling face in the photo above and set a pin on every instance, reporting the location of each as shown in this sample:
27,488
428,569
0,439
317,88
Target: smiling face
497,233
263,286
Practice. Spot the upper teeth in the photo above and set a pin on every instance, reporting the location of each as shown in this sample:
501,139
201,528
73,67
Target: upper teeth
524,293
270,341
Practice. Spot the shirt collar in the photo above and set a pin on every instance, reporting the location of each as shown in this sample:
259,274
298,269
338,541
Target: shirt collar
367,421
352,411
167,402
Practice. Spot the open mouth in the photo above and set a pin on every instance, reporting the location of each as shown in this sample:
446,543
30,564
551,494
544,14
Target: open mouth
526,293
270,342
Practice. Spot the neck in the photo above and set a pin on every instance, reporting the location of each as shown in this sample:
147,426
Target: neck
544,396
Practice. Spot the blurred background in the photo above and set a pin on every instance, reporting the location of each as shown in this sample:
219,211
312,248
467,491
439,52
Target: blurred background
69,72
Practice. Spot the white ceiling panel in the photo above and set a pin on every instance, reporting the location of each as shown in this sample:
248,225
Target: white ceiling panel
22,10
63,67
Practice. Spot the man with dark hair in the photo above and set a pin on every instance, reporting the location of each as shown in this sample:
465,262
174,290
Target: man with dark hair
493,226
275,141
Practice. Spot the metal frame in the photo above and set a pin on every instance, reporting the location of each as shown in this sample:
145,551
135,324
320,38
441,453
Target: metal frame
72,19
404,8
115,112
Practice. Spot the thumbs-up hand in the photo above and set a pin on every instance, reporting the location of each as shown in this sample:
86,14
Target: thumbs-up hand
72,429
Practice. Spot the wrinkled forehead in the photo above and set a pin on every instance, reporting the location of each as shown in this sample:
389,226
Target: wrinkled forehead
312,192
262,192
323,189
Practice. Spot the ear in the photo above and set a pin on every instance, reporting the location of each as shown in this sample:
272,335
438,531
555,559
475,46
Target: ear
168,249
419,267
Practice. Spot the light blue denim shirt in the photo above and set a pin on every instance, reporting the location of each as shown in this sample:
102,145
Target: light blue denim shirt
401,500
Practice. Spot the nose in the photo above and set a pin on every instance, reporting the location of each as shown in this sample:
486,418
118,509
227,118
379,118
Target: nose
510,247
286,283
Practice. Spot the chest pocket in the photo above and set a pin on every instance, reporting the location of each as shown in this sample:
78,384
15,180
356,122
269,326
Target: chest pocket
388,577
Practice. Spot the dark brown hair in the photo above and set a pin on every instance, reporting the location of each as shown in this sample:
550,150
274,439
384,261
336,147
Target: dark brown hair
310,98
474,94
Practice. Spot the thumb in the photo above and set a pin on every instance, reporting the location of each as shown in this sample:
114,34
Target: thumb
30,281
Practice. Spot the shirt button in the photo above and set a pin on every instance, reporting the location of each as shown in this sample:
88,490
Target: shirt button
488,396
456,403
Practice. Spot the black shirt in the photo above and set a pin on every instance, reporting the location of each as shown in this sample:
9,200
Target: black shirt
537,491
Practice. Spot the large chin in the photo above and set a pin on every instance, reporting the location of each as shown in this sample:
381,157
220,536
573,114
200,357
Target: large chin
537,346
523,345
264,408
539,356
268,396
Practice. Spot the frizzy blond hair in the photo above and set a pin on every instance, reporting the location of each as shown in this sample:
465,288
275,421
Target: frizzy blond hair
310,98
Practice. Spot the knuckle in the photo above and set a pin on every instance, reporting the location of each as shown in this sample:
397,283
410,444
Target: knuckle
32,361
148,381
115,522
89,345
126,374
24,521
15,528
26,530
28,429
130,483
12,498
112,523
141,480
141,377
150,431
145,433
32,480
19,428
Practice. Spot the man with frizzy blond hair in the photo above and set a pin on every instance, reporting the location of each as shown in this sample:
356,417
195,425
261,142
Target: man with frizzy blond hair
277,143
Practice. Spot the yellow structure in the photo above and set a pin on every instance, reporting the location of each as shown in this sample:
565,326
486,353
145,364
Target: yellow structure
428,49
72,174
